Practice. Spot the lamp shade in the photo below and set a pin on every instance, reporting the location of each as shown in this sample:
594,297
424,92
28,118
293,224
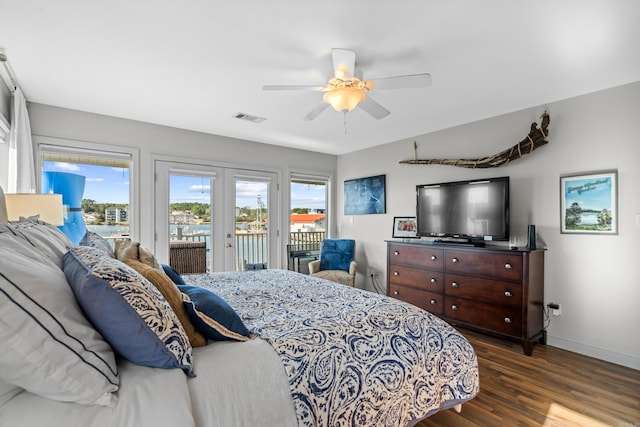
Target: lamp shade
344,98
47,206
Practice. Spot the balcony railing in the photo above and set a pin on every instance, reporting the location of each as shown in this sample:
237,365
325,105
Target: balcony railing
251,248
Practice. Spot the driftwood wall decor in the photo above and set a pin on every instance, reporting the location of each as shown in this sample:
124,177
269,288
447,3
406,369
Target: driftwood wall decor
536,138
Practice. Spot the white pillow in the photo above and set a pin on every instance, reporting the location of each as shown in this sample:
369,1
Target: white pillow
48,346
8,392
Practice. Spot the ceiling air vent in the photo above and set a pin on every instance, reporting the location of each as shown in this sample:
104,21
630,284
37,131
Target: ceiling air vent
249,117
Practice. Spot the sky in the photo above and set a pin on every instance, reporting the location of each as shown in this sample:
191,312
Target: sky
194,189
103,184
590,192
106,184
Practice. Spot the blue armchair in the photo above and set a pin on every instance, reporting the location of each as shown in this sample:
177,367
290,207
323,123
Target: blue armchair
336,261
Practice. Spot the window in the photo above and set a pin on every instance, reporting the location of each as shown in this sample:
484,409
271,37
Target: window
107,200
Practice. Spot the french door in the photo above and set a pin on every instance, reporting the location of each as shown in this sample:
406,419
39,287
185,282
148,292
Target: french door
233,210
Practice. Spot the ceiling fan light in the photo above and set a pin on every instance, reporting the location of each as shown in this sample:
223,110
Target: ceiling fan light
344,98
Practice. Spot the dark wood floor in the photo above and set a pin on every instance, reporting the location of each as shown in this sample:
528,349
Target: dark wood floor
553,387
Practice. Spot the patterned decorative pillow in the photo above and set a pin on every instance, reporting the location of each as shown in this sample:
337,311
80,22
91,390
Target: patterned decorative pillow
46,239
127,310
173,296
97,241
212,316
126,249
48,346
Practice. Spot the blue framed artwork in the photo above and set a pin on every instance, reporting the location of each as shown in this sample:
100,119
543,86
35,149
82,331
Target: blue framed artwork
589,203
365,196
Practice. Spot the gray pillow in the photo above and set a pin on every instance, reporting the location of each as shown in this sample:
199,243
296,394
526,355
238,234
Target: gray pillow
45,239
97,241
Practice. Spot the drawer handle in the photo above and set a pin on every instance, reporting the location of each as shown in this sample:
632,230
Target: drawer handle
507,320
433,302
454,307
396,253
508,266
455,260
433,280
455,285
396,293
433,257
507,294
396,273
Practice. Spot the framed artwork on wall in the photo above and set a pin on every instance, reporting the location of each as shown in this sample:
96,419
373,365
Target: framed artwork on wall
365,196
405,227
589,203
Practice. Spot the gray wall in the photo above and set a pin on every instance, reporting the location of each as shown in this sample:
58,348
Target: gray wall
595,278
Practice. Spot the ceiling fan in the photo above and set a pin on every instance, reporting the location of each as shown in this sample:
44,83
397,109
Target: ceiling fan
344,91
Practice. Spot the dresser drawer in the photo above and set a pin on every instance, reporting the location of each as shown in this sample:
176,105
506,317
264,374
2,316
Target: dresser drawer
491,265
494,292
429,301
423,279
426,257
491,317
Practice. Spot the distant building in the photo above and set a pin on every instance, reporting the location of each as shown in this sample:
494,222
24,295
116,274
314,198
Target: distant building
308,222
89,218
181,217
116,215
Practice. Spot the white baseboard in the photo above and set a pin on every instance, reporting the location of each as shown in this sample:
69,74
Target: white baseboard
628,360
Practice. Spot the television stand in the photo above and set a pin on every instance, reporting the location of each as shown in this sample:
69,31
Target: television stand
473,243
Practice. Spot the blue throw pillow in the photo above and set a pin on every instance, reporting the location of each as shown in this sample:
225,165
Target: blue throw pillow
127,310
212,316
336,254
173,275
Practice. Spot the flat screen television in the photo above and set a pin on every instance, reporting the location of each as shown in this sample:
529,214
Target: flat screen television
470,211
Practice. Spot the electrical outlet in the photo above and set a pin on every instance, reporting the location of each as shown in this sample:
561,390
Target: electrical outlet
554,309
373,273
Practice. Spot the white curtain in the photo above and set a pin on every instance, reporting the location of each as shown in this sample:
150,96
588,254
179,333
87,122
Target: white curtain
22,175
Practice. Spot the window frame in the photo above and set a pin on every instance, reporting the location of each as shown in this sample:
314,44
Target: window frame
45,144
327,178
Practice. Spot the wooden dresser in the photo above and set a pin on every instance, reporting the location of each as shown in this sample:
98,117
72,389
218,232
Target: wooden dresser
489,289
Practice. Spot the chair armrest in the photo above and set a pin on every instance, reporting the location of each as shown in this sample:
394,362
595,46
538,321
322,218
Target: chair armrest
314,266
352,268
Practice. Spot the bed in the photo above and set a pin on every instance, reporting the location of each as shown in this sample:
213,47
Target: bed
316,353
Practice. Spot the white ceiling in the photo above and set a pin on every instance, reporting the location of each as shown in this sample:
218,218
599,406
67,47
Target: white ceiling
194,64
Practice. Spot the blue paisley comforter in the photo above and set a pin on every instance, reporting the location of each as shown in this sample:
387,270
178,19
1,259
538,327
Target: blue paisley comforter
353,358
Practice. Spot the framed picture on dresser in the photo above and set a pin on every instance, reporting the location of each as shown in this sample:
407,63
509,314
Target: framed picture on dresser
405,227
589,203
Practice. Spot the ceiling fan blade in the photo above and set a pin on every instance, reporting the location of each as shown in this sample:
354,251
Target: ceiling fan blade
344,63
292,87
376,110
400,82
316,111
